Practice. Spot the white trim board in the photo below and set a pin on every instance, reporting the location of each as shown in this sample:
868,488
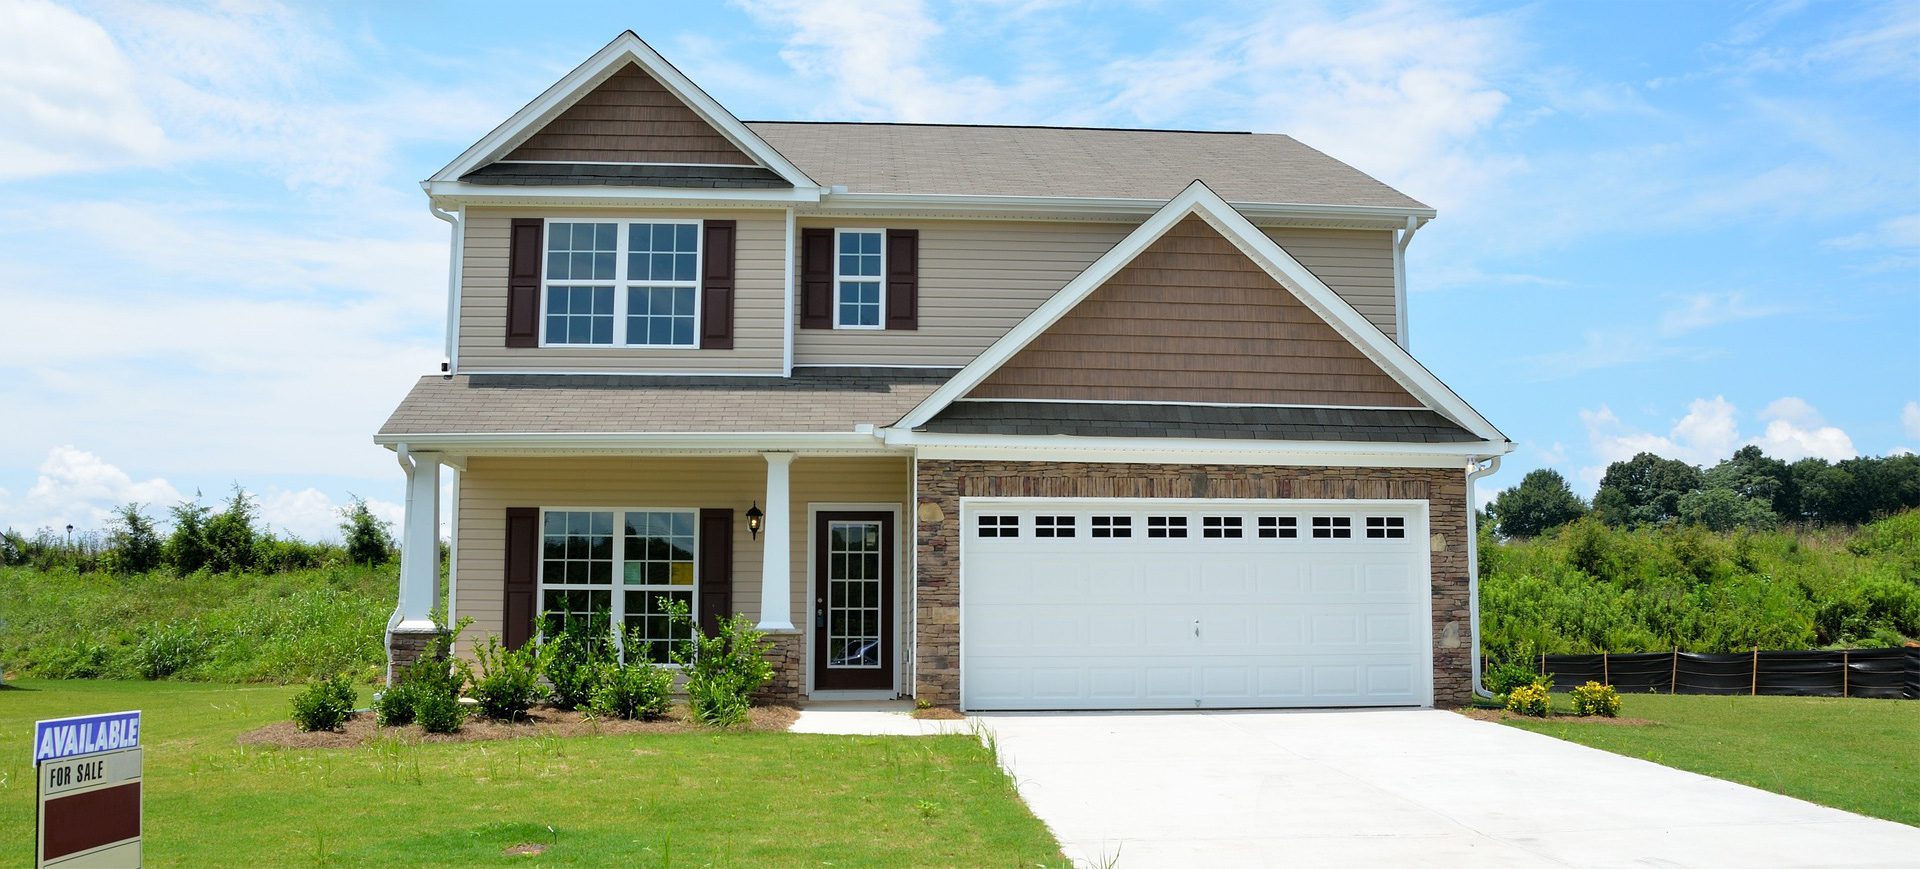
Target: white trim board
902,607
1200,200
625,48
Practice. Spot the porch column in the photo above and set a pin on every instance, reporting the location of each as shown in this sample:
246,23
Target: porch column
776,558
419,545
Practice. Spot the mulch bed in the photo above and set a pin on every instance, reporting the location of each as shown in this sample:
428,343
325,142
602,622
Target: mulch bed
939,713
1503,715
540,721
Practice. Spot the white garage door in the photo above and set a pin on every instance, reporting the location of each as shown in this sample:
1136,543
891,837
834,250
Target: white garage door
1165,604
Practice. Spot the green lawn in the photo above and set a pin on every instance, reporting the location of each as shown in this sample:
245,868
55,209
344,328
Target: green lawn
1858,755
688,799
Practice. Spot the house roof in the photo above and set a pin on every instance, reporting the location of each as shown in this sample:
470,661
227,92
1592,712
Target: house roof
524,174
1071,162
1089,419
813,400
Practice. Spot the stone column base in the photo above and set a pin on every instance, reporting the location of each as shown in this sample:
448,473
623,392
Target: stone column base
406,647
789,659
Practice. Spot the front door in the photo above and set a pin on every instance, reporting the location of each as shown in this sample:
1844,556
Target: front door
853,601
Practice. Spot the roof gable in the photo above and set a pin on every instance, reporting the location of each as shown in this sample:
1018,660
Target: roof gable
624,79
1192,319
1201,202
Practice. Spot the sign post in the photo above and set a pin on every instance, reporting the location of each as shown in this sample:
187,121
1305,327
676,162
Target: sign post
87,770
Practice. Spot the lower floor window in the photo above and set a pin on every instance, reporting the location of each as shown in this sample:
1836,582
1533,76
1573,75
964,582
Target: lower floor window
647,556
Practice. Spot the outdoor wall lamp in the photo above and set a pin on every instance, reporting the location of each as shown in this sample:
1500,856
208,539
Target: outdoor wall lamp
754,515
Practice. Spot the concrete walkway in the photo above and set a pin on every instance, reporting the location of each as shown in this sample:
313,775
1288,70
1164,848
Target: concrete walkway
870,718
1399,788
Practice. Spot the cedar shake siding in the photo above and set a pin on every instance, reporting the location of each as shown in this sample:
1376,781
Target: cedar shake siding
940,484
1192,319
758,287
979,278
629,118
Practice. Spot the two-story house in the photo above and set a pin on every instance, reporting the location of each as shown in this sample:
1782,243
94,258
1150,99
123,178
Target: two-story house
992,417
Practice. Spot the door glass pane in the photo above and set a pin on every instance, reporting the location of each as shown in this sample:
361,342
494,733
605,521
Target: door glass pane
854,594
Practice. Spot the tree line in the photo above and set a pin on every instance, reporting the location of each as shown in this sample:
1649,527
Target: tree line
1749,490
225,540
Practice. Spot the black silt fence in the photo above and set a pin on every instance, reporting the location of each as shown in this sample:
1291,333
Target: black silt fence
1883,673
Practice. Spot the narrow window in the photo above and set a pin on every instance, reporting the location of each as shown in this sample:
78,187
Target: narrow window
582,259
1386,527
1166,526
1220,526
1053,526
1279,527
999,526
656,570
1112,526
856,282
1325,527
662,282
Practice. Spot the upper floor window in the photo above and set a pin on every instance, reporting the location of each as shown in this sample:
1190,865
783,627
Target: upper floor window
632,283
856,280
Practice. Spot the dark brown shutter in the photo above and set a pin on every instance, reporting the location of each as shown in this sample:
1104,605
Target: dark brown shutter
903,279
716,286
816,279
716,568
523,566
523,282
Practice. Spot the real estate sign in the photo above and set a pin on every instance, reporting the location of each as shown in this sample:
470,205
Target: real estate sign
88,773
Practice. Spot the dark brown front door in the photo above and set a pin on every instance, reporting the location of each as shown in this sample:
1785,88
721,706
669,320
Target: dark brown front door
853,601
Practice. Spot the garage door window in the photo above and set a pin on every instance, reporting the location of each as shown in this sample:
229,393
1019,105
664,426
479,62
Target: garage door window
1112,526
999,526
1220,526
1338,527
1053,526
1386,528
1274,527
1166,526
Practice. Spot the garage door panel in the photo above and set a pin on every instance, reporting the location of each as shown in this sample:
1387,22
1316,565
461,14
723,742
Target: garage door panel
1185,622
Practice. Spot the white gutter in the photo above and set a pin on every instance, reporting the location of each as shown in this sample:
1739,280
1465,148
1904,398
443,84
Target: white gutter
454,244
1475,470
744,442
1401,239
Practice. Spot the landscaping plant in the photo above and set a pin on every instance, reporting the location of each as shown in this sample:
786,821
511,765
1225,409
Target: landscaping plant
1594,698
636,689
1512,673
324,705
438,712
508,682
723,671
579,655
1529,699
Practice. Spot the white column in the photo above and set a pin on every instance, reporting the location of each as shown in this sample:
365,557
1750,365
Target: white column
420,543
776,558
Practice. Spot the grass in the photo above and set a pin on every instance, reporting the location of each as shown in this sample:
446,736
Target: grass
689,799
1850,754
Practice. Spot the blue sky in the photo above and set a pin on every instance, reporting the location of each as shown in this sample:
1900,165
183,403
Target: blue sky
1675,226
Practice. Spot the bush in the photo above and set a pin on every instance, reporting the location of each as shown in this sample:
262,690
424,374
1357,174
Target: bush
324,704
169,649
579,655
1530,699
367,537
186,548
439,713
636,689
1594,698
133,546
424,680
1507,675
230,535
724,671
509,680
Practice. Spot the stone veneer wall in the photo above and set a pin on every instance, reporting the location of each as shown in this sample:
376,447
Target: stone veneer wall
789,659
406,647
941,485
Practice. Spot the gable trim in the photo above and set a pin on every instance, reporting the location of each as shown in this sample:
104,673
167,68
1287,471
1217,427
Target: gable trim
1200,200
625,48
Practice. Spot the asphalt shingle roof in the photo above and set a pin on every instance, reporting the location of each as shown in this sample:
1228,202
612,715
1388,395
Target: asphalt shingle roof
1197,421
612,175
813,400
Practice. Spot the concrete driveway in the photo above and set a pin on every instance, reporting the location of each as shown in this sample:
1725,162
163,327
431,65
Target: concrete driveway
1399,788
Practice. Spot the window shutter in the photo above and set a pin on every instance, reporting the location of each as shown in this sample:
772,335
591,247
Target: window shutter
903,279
523,566
523,282
716,568
716,285
816,279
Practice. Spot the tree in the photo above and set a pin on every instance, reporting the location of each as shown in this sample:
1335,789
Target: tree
367,536
133,546
187,548
1751,474
1644,490
230,534
1542,502
1721,509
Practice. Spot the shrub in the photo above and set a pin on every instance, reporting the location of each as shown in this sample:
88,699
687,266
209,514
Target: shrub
439,713
509,680
1594,698
230,534
133,546
428,678
578,657
186,548
723,671
1507,675
636,689
368,539
324,705
169,649
1530,699
394,707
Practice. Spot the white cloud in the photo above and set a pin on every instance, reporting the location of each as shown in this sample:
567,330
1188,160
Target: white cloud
70,96
1710,432
1703,310
1910,419
311,514
79,488
1796,431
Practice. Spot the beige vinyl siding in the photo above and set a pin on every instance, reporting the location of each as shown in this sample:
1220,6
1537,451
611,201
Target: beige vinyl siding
490,485
980,277
759,300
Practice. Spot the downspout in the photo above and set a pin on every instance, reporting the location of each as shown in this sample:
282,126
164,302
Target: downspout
454,245
1401,239
405,458
1475,470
